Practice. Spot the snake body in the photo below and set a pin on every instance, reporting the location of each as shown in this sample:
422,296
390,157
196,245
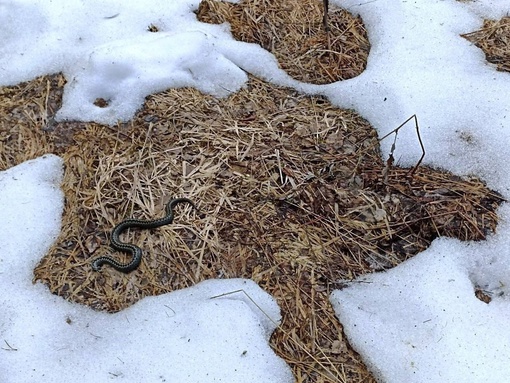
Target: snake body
117,244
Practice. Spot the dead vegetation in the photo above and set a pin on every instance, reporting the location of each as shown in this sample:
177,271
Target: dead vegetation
294,32
494,40
291,192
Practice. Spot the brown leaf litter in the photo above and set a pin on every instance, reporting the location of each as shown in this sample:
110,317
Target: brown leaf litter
291,190
494,40
293,31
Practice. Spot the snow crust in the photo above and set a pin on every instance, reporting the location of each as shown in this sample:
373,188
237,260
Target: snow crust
108,53
217,330
419,322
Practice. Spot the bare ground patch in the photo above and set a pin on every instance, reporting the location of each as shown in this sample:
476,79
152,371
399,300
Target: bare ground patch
291,192
293,31
494,40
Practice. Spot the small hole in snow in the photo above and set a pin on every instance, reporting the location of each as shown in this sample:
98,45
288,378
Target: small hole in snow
152,28
101,102
482,295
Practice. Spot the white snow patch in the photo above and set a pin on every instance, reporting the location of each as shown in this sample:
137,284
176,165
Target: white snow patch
217,330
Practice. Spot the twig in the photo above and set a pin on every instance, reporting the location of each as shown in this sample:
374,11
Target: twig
391,159
10,348
325,16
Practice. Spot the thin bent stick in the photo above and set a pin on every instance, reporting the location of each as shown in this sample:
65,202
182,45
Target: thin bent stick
413,170
409,174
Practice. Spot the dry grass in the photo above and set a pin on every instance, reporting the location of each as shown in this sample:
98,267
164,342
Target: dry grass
291,193
294,33
494,40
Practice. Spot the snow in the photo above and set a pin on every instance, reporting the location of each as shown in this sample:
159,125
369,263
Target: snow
419,322
217,330
418,64
118,59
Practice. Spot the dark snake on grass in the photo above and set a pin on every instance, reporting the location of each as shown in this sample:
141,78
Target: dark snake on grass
117,244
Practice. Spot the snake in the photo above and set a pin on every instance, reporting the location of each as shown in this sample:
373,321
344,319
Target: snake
135,251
